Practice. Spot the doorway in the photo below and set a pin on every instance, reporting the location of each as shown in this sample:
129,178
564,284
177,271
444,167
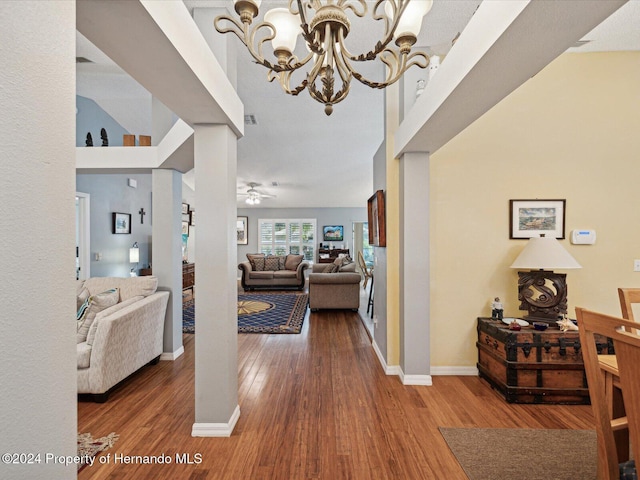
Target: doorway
83,233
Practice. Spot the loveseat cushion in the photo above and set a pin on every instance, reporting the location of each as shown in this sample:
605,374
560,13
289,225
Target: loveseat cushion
83,354
266,275
330,268
284,274
90,308
129,286
291,261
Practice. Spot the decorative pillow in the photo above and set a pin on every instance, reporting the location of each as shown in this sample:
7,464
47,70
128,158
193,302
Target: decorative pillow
272,263
330,268
281,262
90,308
348,267
82,297
257,261
291,262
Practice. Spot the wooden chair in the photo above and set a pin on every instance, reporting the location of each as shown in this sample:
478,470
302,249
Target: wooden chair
627,346
365,270
628,296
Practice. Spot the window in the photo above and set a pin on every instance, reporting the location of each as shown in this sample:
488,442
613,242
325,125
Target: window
281,237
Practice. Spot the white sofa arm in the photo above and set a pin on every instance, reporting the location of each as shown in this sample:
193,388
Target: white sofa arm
125,341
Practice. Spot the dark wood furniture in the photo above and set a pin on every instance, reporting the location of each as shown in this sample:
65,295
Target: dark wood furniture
531,366
333,254
188,275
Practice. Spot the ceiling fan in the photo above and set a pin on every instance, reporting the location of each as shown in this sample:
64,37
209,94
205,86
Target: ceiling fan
254,197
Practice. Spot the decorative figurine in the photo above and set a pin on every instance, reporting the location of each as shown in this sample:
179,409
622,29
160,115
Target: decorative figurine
89,141
496,309
566,325
103,136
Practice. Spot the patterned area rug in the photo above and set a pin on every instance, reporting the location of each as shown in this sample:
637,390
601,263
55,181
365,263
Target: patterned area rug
278,312
88,448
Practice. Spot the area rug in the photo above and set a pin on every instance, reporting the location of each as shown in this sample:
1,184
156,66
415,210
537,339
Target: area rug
271,312
279,312
524,454
88,448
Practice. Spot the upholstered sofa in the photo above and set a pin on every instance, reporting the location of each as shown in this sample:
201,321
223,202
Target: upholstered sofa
120,327
273,272
334,286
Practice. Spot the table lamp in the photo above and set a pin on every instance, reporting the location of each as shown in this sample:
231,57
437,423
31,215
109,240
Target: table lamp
542,292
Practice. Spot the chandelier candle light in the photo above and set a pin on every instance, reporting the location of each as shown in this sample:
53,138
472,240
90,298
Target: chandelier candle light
324,34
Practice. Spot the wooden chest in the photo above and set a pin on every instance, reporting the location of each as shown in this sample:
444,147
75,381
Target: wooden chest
531,366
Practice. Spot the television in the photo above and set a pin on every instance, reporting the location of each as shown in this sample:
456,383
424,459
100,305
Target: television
333,233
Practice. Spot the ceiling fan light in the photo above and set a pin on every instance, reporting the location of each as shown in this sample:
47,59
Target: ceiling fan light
287,27
256,201
411,19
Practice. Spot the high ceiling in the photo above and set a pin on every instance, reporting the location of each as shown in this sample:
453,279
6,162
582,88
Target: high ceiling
316,161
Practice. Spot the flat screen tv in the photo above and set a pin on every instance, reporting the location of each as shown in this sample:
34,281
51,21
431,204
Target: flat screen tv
333,233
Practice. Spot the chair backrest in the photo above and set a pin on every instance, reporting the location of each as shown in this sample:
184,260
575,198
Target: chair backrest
362,264
627,346
628,296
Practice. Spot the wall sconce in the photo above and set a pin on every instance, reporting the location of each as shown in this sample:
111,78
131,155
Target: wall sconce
542,292
134,257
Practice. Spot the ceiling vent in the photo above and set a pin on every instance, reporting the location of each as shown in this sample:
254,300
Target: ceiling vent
83,60
250,120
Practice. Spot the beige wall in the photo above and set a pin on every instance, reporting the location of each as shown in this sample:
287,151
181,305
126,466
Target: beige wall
573,132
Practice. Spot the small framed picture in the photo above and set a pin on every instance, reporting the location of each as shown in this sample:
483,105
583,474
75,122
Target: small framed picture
185,209
185,228
242,230
192,220
533,218
120,222
376,216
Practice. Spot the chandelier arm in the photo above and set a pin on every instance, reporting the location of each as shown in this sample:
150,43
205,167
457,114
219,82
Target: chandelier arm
344,4
395,71
284,79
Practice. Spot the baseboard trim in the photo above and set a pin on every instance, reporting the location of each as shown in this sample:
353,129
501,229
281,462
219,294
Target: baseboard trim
172,355
424,380
388,370
216,429
455,371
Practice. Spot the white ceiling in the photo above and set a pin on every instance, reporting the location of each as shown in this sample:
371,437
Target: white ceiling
317,161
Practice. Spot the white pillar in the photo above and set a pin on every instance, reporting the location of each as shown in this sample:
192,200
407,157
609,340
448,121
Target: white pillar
166,253
38,379
414,269
216,322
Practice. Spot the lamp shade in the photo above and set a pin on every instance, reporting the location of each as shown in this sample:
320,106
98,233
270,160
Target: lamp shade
134,255
411,19
545,253
287,28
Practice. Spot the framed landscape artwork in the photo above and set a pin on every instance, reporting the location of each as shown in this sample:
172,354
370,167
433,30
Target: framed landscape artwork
242,230
376,217
333,233
120,222
533,218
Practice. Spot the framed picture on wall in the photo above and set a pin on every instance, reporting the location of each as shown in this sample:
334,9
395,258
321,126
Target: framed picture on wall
242,230
376,216
533,218
333,233
185,228
120,222
192,220
185,209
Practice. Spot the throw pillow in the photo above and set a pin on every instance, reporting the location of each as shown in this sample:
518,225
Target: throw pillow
291,262
348,267
82,297
281,261
90,308
330,268
257,261
272,263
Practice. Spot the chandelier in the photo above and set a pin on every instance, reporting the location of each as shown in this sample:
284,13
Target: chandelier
324,27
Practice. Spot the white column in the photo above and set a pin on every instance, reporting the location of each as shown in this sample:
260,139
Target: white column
38,379
216,319
166,253
414,269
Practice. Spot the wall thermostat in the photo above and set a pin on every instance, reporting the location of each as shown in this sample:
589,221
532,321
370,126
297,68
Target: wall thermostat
583,237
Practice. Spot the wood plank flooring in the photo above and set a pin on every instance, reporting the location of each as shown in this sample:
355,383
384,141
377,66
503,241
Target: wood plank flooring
313,406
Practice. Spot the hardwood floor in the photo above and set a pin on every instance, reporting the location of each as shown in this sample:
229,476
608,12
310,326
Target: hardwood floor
314,405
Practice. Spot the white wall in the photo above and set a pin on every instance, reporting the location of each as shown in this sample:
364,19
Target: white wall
37,243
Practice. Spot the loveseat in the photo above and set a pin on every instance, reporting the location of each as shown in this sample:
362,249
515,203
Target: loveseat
334,286
273,271
120,327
